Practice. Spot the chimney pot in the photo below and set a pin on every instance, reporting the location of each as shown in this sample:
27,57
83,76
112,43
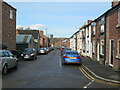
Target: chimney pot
115,2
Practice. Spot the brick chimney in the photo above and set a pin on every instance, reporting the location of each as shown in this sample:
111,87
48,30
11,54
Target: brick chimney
89,21
115,2
17,31
41,32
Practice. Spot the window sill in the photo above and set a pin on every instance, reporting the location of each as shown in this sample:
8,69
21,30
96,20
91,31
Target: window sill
93,35
101,56
118,57
101,33
118,26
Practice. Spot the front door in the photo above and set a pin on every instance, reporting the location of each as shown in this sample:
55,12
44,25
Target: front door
111,52
98,51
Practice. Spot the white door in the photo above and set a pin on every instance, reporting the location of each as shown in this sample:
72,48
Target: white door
98,51
111,52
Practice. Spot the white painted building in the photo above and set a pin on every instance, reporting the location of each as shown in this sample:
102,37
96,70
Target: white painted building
88,50
72,43
79,41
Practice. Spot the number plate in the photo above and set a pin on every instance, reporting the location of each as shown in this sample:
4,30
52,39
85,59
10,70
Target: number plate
72,57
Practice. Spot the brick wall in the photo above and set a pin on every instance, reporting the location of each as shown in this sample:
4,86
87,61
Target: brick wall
113,33
44,40
0,21
8,26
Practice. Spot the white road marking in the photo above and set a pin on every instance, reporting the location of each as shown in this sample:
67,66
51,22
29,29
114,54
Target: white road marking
85,87
59,58
88,84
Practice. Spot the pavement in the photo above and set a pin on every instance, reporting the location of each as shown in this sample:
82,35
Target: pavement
100,71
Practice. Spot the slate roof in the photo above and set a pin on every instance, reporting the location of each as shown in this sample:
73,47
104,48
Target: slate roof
23,39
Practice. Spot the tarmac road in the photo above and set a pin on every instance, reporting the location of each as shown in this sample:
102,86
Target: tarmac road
47,72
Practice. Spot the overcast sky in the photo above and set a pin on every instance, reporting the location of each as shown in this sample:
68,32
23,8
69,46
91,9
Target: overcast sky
61,19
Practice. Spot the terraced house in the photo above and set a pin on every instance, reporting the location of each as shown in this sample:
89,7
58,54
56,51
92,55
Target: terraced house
8,25
113,36
101,38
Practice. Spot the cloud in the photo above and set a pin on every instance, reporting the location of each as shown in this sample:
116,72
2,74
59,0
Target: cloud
58,0
31,27
37,26
20,27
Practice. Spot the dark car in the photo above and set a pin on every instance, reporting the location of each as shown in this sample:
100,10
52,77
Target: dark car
29,54
17,53
71,57
51,48
65,49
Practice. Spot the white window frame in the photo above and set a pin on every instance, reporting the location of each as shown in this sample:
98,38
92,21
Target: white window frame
119,16
11,14
118,47
94,46
94,29
101,46
102,27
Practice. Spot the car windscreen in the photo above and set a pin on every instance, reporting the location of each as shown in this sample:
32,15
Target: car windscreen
28,50
72,53
42,48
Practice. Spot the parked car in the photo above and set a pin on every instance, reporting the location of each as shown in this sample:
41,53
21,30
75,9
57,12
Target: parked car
42,51
51,48
7,61
71,57
29,54
65,49
17,53
48,49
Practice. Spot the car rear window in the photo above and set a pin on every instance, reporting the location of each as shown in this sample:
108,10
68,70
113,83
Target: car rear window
71,53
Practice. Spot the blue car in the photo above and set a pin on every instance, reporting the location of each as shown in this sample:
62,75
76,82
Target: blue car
71,57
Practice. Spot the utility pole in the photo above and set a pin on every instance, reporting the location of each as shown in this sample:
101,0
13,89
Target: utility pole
46,39
46,32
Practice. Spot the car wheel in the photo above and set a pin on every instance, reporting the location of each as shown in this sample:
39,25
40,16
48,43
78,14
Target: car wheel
36,57
4,71
16,66
63,62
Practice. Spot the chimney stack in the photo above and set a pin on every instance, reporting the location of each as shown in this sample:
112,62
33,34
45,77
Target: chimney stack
89,21
41,32
115,2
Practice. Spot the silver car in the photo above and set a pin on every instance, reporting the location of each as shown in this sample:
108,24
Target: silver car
42,51
7,61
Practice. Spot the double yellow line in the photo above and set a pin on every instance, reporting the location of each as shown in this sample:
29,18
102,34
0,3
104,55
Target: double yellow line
86,74
96,80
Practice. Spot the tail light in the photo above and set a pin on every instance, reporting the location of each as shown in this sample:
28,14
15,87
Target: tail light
78,57
66,57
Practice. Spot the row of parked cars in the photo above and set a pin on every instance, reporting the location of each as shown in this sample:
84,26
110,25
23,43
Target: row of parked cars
9,59
44,50
69,56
